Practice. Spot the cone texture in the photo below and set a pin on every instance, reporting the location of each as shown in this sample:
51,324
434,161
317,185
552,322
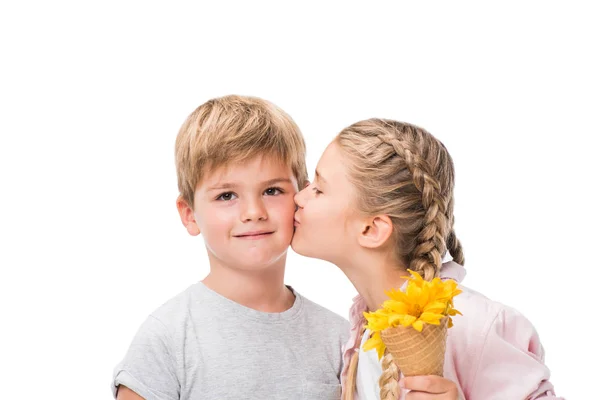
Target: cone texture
418,353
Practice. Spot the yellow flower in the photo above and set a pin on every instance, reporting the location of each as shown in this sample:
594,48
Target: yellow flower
378,320
451,312
423,302
401,319
416,278
375,342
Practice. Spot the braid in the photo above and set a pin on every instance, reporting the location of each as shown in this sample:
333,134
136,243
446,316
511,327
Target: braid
452,243
402,171
388,382
426,258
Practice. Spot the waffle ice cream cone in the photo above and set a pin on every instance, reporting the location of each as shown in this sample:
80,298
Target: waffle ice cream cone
418,353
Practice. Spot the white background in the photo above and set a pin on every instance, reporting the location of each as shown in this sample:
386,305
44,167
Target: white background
93,94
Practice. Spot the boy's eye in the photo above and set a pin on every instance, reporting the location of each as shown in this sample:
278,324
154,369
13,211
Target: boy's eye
317,191
273,191
226,196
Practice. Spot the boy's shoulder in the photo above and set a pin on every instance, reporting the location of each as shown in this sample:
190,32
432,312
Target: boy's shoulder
198,306
317,314
174,312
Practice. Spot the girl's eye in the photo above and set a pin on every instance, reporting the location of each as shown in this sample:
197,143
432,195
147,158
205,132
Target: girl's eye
226,196
317,191
273,191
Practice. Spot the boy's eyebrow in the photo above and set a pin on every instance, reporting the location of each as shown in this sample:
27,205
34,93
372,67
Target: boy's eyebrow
276,181
228,185
320,177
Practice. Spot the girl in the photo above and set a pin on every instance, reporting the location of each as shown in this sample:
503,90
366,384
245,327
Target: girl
382,203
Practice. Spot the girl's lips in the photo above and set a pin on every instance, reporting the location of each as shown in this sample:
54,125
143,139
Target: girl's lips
296,223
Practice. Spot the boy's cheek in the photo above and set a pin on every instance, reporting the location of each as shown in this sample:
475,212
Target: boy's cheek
216,223
284,207
285,215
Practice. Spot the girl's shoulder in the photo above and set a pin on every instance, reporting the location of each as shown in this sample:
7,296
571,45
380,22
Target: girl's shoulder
475,305
483,318
487,338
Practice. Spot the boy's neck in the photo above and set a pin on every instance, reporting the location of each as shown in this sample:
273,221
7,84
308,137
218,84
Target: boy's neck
382,274
260,290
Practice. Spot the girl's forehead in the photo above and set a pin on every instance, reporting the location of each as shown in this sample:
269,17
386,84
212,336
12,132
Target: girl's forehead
331,167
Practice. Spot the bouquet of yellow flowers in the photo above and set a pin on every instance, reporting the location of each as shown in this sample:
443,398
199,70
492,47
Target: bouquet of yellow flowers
412,325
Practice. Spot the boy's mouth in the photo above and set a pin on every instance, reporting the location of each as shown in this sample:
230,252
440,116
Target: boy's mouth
254,235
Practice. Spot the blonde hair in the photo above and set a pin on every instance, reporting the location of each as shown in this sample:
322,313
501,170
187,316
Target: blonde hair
234,129
402,171
388,381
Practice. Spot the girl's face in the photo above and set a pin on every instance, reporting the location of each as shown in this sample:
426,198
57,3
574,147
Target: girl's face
326,219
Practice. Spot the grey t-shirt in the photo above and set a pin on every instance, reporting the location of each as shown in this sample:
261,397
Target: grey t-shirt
201,345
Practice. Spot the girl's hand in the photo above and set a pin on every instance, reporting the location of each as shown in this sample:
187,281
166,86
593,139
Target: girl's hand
429,387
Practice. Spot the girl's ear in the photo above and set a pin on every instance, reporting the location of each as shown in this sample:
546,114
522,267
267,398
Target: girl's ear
188,219
375,231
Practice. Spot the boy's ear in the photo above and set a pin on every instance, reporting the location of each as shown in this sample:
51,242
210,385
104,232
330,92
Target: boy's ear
375,231
188,219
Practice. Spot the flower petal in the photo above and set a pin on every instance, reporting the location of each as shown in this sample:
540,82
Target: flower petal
431,318
418,325
406,320
435,307
375,342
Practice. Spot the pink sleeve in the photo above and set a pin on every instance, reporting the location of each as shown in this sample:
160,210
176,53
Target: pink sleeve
511,365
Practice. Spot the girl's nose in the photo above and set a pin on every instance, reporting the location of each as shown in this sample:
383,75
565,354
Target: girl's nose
300,198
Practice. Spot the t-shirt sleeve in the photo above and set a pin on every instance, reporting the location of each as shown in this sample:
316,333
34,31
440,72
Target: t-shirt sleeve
512,365
149,367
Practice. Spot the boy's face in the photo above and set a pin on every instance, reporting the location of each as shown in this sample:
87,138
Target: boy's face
245,213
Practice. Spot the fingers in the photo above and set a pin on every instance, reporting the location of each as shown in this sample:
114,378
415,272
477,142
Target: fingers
429,387
426,396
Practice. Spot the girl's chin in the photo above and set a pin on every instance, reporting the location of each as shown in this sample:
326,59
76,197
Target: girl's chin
304,250
298,246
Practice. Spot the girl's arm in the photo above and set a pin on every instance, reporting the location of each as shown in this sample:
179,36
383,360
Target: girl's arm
511,364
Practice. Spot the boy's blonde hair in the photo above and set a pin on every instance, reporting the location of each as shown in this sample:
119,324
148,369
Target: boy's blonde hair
234,129
402,171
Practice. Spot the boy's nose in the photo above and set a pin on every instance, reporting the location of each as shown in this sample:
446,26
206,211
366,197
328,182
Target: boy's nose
254,211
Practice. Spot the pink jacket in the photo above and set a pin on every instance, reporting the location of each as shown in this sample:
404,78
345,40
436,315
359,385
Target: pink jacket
492,352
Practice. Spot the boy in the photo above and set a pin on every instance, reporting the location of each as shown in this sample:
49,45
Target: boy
240,332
